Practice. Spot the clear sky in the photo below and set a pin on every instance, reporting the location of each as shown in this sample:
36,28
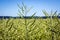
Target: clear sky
10,8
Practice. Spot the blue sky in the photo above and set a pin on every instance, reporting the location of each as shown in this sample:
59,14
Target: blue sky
10,8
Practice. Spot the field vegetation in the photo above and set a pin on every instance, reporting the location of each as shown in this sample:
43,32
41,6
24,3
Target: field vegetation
30,29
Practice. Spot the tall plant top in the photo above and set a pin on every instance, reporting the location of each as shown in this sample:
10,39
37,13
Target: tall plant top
23,10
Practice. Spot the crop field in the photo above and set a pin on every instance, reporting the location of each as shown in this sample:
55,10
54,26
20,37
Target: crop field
30,29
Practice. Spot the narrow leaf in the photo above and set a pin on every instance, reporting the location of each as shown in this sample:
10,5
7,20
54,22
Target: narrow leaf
46,14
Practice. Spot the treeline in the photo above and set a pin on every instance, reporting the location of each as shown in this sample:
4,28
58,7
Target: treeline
28,17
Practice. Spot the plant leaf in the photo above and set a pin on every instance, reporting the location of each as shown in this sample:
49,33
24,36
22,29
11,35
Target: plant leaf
33,15
46,14
55,13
